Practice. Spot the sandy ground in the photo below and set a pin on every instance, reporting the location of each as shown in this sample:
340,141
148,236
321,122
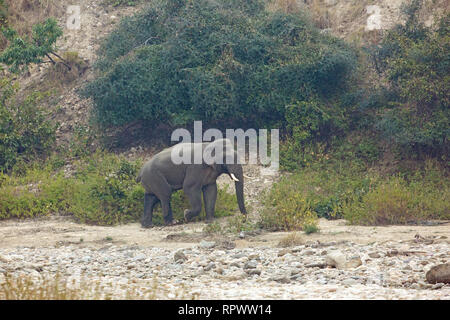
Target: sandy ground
57,231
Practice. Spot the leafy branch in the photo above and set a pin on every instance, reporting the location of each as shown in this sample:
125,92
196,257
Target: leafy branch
21,52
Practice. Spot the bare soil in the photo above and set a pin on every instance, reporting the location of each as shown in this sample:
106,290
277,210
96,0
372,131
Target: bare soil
59,231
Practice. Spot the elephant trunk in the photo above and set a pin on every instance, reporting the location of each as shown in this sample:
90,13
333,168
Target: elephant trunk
237,175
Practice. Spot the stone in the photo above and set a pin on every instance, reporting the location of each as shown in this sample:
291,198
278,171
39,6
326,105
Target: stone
4,259
374,255
353,262
219,270
280,279
283,252
336,259
207,244
210,266
437,286
252,264
253,271
179,256
349,282
140,257
439,274
254,257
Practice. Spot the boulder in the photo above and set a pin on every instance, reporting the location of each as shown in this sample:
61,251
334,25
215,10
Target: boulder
439,274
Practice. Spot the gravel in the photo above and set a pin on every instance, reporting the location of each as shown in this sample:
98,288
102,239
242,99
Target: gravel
383,271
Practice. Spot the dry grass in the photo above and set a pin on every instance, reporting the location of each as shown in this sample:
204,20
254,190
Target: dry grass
291,240
286,6
26,287
60,74
23,14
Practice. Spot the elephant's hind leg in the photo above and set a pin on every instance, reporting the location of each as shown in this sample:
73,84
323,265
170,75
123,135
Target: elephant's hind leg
163,191
150,200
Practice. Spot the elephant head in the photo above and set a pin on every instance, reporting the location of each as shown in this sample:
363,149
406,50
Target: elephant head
224,159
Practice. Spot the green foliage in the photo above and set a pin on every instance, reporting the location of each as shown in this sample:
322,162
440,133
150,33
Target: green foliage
310,125
286,209
311,228
21,52
398,200
325,187
25,131
344,188
220,62
415,59
3,13
105,191
239,223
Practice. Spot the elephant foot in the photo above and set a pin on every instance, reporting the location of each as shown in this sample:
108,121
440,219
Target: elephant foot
189,215
146,224
171,223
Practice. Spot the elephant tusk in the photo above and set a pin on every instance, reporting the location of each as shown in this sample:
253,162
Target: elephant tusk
234,177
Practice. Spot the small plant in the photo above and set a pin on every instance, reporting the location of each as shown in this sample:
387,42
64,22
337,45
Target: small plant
291,240
213,228
239,223
310,228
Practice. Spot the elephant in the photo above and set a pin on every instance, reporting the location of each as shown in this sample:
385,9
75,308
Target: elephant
161,176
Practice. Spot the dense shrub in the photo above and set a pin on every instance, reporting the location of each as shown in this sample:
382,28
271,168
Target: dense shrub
348,189
222,62
415,60
25,131
402,200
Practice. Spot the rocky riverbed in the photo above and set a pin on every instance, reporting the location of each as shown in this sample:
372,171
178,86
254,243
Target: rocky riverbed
246,267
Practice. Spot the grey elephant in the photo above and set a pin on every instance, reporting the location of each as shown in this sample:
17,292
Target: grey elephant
161,176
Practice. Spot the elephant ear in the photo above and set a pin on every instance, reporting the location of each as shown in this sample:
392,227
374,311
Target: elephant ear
215,153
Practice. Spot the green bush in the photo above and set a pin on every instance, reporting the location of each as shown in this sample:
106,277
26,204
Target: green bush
222,62
343,187
286,209
398,200
415,59
25,131
325,186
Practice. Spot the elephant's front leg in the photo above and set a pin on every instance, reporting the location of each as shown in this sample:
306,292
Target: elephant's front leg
194,194
209,198
167,211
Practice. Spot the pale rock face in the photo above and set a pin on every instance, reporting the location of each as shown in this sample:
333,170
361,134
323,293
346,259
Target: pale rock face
374,20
